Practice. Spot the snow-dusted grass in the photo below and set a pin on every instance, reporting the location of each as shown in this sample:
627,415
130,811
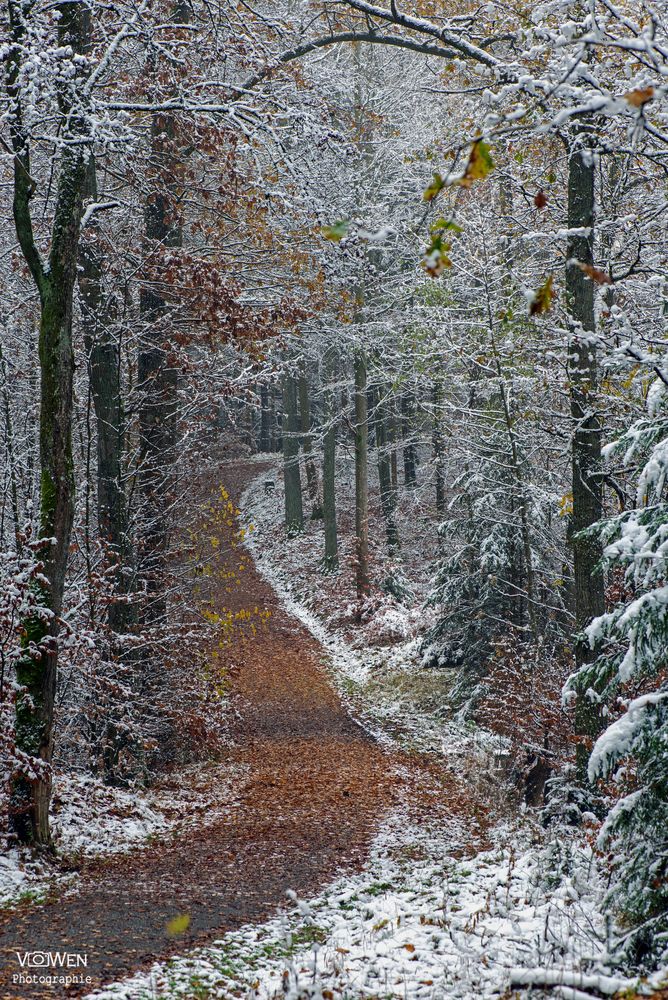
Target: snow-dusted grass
376,666
416,924
427,918
92,819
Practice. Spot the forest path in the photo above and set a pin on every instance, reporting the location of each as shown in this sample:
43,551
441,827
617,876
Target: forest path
314,787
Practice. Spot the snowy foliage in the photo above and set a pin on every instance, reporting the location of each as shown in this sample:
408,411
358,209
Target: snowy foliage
631,642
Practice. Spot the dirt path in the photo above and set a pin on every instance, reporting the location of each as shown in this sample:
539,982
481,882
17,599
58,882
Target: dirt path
316,786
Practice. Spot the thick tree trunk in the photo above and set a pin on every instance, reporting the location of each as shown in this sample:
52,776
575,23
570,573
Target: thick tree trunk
37,670
294,513
361,477
157,377
331,559
586,443
104,374
309,463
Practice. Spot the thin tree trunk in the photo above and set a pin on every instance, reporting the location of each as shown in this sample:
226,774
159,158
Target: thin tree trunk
331,559
265,419
439,447
294,513
11,456
410,451
388,496
309,464
361,477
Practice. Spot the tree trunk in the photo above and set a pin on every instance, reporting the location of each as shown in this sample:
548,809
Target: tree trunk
439,447
11,457
36,672
265,419
410,451
331,559
388,496
309,463
294,514
104,373
586,443
157,378
361,477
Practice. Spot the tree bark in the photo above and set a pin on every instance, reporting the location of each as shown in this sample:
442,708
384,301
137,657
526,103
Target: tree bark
410,451
104,374
266,415
37,670
294,513
438,444
388,496
361,476
586,442
309,464
157,378
331,559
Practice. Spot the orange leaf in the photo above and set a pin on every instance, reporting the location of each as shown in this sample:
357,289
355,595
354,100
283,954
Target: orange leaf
636,98
409,947
600,277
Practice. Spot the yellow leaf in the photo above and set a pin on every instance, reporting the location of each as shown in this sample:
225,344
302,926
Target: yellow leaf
480,164
336,232
542,298
437,184
178,925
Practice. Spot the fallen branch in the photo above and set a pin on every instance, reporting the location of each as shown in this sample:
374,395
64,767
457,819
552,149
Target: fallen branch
576,982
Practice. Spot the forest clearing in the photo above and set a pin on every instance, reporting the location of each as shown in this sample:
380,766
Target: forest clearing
333,520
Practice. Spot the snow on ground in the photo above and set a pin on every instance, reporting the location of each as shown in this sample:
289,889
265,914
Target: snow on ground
92,819
418,923
379,675
422,921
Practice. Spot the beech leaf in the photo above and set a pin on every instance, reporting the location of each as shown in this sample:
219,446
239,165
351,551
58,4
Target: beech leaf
435,187
596,275
542,298
480,164
337,231
637,98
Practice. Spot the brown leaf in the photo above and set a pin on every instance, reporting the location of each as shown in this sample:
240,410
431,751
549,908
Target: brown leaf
540,199
542,298
600,277
636,98
409,947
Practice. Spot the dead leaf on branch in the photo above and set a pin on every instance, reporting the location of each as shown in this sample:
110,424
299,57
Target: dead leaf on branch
480,164
542,299
639,97
596,275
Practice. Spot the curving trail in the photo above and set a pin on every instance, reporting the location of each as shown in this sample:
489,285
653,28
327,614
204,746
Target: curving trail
314,789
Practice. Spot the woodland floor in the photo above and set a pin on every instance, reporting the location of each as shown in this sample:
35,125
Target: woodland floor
315,786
